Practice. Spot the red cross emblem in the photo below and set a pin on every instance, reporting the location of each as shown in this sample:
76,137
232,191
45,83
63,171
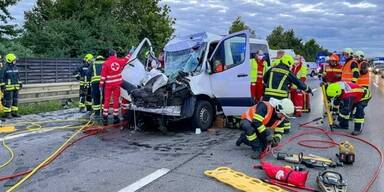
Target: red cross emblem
115,66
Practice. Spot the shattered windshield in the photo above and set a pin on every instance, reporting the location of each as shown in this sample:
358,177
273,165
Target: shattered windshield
185,60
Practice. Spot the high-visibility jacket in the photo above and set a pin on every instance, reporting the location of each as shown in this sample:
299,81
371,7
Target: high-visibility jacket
277,81
11,78
350,71
363,79
300,71
275,62
332,74
354,91
111,71
257,69
82,74
95,71
263,115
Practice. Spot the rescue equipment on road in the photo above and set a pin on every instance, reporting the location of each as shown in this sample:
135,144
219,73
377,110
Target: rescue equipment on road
346,153
241,181
310,160
330,181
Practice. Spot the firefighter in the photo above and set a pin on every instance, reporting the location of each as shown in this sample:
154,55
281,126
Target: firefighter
277,81
350,97
110,82
351,67
259,121
94,72
10,86
82,75
1,82
299,98
331,72
257,70
364,77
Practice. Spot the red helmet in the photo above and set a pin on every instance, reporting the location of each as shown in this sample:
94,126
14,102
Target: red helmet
334,57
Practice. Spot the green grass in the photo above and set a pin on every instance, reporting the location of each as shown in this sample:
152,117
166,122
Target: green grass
41,107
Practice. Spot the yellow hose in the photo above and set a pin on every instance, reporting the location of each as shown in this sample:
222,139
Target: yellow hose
37,168
11,154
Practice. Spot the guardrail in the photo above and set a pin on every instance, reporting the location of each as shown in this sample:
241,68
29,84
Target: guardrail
31,93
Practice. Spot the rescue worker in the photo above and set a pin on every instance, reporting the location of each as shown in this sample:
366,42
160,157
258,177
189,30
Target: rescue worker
351,67
94,72
350,97
331,72
1,82
82,75
277,61
110,82
11,86
364,77
257,69
261,120
298,97
277,81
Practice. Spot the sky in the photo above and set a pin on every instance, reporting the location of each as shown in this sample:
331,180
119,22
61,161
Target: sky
335,24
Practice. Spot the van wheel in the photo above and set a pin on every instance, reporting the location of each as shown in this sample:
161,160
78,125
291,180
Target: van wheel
203,115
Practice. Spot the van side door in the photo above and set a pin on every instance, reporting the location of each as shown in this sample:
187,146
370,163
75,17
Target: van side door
229,79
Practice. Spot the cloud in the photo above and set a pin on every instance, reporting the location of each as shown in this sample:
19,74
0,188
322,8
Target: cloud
361,5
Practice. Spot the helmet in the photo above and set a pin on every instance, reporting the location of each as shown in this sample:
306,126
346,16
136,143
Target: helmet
349,51
334,90
284,106
334,57
287,59
10,58
88,57
359,54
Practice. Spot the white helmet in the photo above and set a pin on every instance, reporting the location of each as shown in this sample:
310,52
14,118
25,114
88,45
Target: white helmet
349,51
360,54
284,106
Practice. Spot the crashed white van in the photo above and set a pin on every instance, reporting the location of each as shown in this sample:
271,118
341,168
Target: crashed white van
204,75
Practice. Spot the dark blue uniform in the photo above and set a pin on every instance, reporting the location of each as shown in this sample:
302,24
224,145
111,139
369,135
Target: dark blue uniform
82,74
10,86
94,74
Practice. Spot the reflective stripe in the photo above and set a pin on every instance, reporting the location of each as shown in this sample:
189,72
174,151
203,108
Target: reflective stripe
14,108
112,81
359,120
103,78
344,116
114,76
367,95
251,137
81,105
275,92
279,130
355,70
261,129
96,107
278,136
258,117
7,110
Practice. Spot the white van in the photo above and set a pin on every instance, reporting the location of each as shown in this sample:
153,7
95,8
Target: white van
204,75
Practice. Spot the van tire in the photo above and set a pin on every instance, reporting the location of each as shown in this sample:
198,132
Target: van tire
203,115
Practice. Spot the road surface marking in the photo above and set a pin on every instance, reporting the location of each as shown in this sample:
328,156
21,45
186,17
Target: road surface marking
26,134
145,180
376,85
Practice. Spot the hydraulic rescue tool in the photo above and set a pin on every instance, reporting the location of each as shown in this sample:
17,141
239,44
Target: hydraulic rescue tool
310,160
327,109
241,181
330,181
346,153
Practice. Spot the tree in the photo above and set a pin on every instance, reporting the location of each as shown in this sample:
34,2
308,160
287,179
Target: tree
239,25
281,39
72,28
5,16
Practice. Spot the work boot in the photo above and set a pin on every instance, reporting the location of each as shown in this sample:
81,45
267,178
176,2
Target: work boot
7,115
82,110
116,119
241,139
355,133
15,114
105,120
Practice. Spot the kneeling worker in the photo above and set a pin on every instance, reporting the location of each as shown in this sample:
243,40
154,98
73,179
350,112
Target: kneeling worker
258,121
351,97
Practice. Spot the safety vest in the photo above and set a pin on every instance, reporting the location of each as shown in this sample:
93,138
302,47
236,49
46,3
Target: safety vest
356,91
251,111
332,74
300,71
363,79
347,74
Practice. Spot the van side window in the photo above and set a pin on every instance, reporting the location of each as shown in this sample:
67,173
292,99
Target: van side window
230,53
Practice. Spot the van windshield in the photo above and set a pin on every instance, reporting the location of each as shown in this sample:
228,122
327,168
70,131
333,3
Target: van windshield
187,60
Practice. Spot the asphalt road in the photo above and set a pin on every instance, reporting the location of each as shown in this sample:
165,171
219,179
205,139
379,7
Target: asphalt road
118,159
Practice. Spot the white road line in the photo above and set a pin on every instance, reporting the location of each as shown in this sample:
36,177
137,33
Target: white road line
25,134
145,180
376,85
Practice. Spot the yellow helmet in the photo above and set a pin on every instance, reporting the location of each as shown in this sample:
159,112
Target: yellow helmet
88,57
334,90
10,58
287,59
